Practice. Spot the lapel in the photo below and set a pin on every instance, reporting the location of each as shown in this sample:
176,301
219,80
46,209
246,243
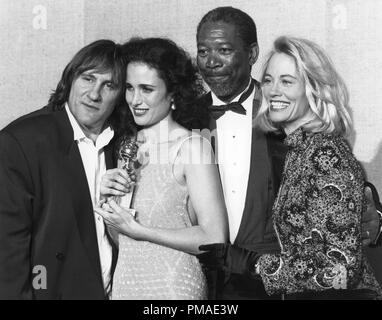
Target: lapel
75,178
206,102
258,172
111,162
277,152
267,160
110,158
266,163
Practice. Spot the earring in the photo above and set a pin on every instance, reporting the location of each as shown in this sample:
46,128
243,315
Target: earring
173,107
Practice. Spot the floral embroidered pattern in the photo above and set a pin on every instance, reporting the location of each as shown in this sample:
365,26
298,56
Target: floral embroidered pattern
325,159
317,218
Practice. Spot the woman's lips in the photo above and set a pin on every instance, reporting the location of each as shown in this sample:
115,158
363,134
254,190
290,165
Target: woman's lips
279,105
139,112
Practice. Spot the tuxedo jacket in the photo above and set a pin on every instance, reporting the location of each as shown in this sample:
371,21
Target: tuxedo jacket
266,165
48,241
256,230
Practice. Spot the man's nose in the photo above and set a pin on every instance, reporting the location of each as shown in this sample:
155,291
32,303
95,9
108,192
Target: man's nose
213,61
95,92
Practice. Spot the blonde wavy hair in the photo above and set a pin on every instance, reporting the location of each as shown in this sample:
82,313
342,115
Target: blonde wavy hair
325,90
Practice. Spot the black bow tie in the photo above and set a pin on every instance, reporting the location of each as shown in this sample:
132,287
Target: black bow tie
217,111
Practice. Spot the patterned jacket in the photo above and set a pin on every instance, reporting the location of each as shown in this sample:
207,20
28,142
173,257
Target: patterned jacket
317,218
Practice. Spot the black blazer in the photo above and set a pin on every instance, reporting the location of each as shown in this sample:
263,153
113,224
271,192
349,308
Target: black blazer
46,213
256,230
266,165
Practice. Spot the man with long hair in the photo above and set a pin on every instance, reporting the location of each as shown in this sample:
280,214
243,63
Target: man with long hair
52,245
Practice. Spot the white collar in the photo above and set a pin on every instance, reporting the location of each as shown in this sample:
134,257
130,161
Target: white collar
103,139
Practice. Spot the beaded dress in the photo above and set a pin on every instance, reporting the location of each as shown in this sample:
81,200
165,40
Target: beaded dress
147,271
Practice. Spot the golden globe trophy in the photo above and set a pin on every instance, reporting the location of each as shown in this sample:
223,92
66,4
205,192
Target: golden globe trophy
127,157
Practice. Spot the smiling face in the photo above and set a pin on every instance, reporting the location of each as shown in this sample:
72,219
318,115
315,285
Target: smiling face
223,60
146,94
284,91
92,99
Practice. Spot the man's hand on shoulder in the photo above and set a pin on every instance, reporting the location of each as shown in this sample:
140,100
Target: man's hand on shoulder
371,219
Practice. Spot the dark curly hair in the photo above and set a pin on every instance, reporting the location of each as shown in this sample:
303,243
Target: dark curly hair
175,68
102,56
244,24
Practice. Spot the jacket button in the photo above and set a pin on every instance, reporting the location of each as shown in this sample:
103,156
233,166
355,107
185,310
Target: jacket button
60,256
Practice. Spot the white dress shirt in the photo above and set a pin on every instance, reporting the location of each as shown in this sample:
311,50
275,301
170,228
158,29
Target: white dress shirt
93,159
234,138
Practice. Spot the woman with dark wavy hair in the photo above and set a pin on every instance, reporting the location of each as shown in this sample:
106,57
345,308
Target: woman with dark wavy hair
178,198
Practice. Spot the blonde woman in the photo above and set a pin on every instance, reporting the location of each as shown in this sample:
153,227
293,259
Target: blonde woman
317,213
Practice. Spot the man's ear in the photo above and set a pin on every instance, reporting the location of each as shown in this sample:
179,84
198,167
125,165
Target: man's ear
254,53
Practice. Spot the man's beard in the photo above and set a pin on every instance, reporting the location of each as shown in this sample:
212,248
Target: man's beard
221,90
